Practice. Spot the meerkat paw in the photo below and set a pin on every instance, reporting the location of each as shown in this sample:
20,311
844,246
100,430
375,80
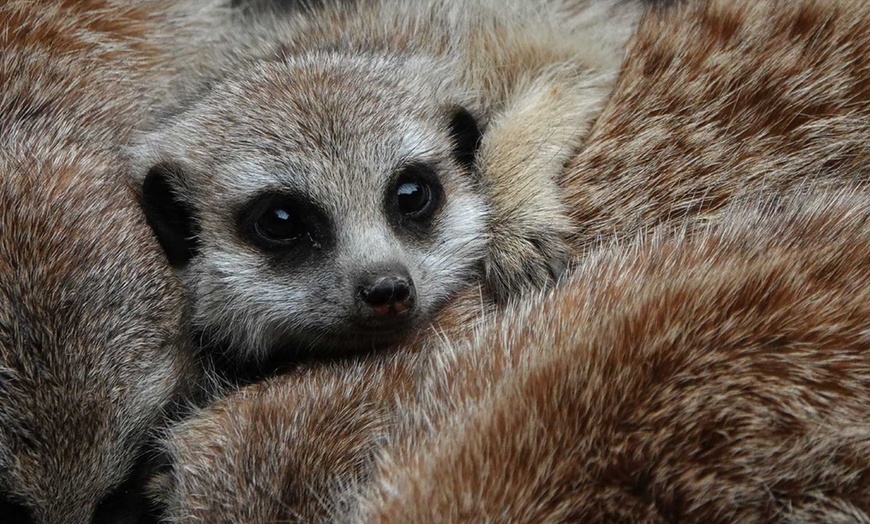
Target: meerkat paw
522,155
525,259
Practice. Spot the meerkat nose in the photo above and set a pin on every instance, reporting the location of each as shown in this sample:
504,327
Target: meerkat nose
388,295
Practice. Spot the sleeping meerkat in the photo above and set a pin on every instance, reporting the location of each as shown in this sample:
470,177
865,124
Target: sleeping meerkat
92,355
337,187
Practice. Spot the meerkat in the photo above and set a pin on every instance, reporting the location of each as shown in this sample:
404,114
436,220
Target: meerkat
839,29
92,353
533,112
329,187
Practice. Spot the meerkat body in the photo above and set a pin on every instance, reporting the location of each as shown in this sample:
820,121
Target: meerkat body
720,376
328,186
719,100
91,351
294,447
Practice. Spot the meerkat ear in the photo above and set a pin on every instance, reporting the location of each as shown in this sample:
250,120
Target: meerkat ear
466,135
170,217
13,510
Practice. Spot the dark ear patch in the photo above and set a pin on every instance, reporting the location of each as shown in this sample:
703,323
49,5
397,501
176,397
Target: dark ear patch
466,136
171,219
13,511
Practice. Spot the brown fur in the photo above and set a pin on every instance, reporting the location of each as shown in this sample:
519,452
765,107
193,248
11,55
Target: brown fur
721,99
239,460
91,353
715,377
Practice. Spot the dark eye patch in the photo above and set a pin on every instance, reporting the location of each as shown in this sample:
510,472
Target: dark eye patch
284,224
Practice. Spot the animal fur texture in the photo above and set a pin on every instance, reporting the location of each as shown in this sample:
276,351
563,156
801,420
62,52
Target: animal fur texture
322,113
91,349
706,360
289,449
722,99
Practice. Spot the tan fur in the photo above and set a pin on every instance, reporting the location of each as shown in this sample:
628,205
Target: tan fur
91,354
720,376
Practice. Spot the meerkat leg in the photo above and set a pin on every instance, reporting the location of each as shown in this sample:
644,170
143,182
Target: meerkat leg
523,154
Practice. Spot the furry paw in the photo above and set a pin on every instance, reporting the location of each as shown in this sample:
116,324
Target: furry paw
519,262
522,155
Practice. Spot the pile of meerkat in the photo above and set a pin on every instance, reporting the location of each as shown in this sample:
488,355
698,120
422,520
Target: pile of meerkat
707,358
719,374
347,175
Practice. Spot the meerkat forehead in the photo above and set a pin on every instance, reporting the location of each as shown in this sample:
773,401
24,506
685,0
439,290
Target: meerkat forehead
324,125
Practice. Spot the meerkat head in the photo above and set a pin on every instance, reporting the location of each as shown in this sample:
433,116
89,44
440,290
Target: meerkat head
319,201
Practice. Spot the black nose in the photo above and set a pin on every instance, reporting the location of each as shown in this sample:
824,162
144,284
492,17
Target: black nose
387,290
388,293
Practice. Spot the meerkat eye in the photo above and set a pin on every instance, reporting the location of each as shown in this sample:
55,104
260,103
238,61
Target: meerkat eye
417,192
278,224
283,223
413,196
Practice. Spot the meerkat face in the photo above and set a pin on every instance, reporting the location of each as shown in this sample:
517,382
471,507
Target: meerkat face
321,201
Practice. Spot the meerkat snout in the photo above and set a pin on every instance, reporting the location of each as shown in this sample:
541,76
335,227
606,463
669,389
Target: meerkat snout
388,295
